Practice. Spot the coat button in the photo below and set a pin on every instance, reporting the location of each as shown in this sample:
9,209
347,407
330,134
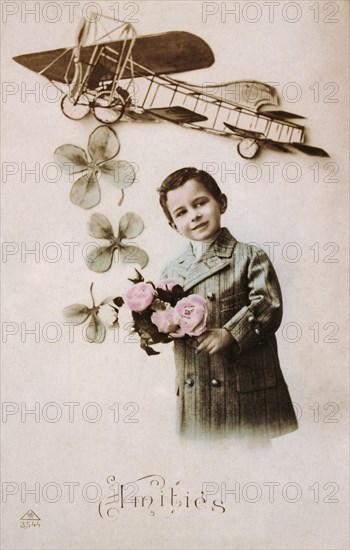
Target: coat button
211,296
215,383
251,319
257,331
189,382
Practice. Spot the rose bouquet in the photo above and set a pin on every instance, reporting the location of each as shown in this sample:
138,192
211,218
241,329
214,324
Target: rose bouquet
161,312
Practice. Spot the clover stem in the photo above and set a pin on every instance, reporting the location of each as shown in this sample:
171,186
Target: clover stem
121,197
92,296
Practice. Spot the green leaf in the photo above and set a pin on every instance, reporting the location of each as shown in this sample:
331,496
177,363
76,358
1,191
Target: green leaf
99,259
130,226
86,191
72,159
138,279
99,226
103,144
77,313
147,348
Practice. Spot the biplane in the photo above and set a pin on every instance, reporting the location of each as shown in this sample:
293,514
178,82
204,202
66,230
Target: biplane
122,76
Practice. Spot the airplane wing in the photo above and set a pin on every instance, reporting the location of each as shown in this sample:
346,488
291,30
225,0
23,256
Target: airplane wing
244,133
280,114
163,53
179,115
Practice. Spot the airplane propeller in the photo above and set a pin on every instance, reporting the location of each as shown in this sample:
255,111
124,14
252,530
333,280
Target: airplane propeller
82,32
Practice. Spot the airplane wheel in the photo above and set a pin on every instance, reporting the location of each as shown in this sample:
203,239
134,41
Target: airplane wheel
75,111
248,148
108,111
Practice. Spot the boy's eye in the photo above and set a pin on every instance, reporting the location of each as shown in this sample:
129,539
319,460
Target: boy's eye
201,202
178,214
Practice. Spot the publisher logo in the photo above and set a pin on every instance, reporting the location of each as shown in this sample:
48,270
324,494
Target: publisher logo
30,519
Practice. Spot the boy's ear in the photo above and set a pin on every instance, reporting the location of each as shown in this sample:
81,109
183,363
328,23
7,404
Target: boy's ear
223,203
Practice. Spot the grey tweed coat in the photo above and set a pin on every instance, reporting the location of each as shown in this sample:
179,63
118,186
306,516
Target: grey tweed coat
240,391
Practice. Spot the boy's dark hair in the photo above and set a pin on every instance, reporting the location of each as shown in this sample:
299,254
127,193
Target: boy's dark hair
180,177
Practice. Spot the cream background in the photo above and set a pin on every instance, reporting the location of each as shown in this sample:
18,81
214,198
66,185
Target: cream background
304,212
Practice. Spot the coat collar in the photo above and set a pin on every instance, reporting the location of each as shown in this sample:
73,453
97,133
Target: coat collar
214,259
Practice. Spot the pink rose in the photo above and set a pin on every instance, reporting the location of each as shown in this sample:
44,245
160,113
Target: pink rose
167,284
139,296
165,321
191,314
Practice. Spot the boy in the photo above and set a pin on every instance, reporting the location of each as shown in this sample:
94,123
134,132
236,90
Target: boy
228,380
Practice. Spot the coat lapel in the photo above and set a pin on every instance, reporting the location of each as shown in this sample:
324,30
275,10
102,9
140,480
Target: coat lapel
218,256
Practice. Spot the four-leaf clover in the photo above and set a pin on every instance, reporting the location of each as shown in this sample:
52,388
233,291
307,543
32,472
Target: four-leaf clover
103,147
130,226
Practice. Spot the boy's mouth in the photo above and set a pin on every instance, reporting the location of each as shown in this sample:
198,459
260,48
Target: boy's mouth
200,226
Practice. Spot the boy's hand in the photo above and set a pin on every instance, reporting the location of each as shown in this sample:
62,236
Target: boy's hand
214,340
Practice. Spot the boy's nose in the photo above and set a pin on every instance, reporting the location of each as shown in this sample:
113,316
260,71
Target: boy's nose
195,215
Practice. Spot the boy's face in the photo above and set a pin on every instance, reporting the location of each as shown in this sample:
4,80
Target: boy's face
195,213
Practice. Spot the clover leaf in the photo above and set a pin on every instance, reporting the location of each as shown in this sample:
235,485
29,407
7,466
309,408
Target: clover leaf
100,317
130,226
98,163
